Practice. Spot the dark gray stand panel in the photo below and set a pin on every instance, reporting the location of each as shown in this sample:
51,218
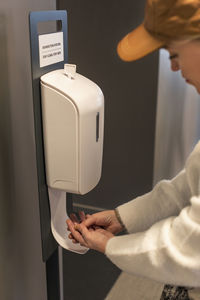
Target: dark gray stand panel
48,243
130,90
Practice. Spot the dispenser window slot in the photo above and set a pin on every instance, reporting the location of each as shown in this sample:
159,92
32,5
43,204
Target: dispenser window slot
97,127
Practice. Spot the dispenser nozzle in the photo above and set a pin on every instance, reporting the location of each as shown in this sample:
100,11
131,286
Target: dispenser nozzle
70,70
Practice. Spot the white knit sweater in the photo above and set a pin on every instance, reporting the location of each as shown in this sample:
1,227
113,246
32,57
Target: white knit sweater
164,230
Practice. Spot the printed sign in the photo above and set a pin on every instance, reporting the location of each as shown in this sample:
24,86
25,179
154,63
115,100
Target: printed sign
51,48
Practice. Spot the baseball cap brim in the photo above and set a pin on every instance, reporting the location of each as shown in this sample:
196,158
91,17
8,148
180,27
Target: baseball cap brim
137,44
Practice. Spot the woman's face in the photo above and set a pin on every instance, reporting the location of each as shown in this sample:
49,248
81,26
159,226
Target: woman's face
185,56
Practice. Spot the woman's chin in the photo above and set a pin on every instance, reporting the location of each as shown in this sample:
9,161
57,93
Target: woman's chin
197,89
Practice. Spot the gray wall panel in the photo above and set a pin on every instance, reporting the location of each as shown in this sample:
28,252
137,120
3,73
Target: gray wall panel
22,272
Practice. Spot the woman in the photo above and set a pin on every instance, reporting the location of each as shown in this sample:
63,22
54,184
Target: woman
163,226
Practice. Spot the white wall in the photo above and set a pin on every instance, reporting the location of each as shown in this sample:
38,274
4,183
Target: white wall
177,123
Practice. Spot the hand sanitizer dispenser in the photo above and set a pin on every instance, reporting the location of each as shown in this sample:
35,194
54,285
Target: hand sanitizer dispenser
73,121
73,118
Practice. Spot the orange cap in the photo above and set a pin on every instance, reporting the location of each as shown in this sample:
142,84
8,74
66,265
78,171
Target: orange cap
165,21
137,44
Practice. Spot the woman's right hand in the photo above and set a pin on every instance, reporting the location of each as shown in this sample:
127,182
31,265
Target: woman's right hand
106,219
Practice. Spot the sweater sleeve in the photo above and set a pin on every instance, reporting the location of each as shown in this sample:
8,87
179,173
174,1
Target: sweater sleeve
168,252
166,199
166,247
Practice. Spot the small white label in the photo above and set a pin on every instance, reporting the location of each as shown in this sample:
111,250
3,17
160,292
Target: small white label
51,48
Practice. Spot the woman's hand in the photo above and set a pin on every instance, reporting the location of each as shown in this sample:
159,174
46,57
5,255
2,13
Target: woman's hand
94,237
97,229
105,219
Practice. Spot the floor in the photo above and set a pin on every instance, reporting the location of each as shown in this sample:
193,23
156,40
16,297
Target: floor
129,287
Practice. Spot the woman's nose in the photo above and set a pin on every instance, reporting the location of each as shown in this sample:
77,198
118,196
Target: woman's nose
175,65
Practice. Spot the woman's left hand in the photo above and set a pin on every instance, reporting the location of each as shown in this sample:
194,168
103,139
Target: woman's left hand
94,238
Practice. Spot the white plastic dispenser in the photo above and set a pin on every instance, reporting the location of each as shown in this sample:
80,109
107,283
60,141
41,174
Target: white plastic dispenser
73,121
73,117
